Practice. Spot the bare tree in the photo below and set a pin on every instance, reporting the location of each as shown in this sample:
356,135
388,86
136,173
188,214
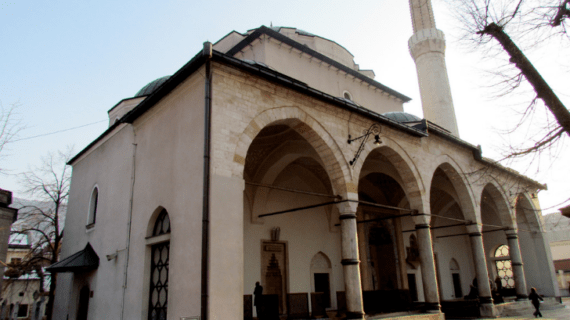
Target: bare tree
10,126
492,25
43,221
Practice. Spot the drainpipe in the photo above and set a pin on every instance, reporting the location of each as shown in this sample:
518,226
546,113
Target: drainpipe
207,53
127,248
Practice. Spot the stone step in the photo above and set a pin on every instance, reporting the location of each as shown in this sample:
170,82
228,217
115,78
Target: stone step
522,308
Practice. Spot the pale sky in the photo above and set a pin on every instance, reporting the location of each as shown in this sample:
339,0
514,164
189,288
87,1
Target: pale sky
66,63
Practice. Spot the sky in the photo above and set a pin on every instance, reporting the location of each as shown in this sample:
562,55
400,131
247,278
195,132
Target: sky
66,63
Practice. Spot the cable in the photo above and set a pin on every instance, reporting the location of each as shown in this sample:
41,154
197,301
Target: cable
64,130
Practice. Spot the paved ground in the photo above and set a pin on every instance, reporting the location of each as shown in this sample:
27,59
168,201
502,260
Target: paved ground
556,314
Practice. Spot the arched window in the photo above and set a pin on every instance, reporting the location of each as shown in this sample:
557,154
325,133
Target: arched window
162,224
504,266
160,257
93,203
347,95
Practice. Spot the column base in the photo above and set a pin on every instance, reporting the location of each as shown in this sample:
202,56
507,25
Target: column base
488,310
354,315
432,307
486,300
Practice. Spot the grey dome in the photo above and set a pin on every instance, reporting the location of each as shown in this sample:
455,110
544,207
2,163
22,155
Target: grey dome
151,87
402,116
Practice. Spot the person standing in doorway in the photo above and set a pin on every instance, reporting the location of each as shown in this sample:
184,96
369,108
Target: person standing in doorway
534,297
257,299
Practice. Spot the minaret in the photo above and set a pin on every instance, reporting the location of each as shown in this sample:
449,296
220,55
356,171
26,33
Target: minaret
427,47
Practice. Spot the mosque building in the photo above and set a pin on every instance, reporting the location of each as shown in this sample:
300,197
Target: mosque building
272,157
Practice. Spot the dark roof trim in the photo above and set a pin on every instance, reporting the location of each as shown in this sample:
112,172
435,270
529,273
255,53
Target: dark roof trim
118,103
278,36
198,60
177,78
302,87
94,142
84,260
477,154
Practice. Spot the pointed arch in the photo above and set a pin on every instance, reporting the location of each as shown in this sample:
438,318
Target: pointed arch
461,186
159,222
527,213
410,178
499,199
311,130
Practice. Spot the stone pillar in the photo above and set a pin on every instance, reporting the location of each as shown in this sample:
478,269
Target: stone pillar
429,277
365,274
350,262
517,263
478,250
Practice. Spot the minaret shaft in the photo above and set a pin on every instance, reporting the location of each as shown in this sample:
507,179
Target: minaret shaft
427,47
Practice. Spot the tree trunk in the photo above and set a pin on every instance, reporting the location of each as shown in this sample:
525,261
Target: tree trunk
542,89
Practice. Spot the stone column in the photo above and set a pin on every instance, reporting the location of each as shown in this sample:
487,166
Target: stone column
485,297
516,262
350,262
365,275
429,277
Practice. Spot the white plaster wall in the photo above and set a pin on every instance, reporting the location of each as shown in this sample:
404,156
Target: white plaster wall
169,170
458,248
168,174
108,167
306,232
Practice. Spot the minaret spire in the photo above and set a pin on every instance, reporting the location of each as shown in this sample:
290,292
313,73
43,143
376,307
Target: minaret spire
427,47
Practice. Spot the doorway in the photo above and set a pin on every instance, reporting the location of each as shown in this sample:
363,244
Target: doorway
322,284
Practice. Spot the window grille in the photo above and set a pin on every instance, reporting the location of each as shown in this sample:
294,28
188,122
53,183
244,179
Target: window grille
162,224
158,298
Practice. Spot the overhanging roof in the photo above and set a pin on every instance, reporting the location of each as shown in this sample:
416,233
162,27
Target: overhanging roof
84,260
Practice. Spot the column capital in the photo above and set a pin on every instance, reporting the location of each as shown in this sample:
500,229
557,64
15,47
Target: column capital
474,228
512,233
421,219
347,207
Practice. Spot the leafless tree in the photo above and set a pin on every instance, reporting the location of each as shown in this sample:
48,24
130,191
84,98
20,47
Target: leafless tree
49,185
10,126
494,26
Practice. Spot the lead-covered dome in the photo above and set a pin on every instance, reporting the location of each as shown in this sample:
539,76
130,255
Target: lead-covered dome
151,87
402,116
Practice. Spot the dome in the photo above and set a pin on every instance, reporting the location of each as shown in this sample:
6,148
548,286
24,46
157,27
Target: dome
151,87
401,116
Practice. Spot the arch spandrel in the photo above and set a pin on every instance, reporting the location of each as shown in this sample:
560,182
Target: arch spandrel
410,177
311,130
461,184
